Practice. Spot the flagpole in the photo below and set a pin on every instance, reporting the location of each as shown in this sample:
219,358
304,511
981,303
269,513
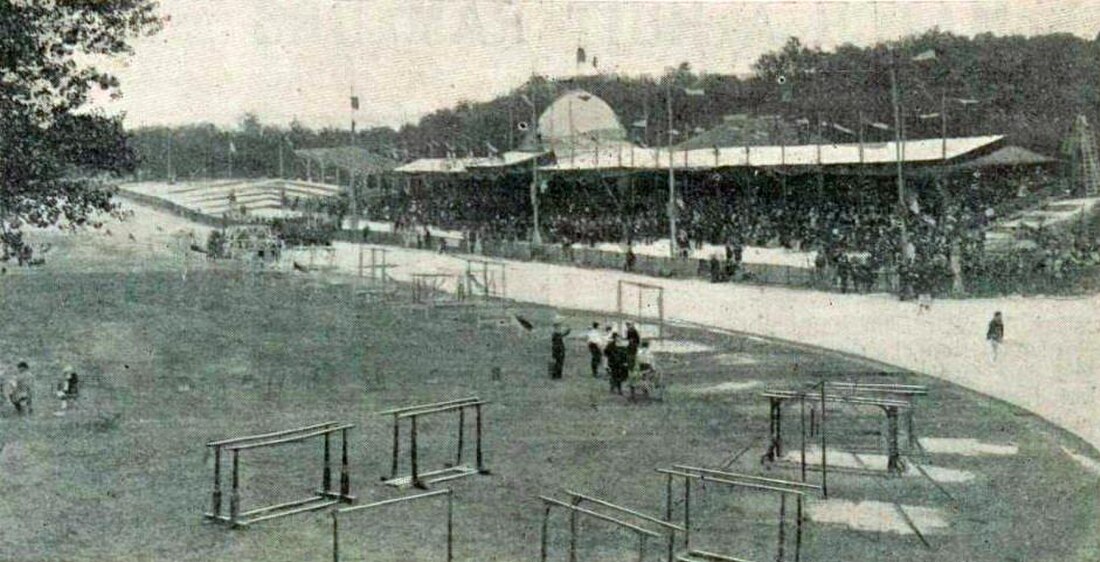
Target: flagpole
904,238
672,243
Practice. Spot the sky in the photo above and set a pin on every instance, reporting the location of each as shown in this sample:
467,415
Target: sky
215,60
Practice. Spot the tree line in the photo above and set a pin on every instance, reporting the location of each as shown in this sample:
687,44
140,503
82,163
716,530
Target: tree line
1029,88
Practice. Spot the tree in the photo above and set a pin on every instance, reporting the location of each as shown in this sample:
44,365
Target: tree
51,153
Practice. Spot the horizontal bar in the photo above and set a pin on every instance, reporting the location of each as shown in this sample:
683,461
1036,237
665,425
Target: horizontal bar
232,440
878,385
442,409
429,405
321,505
291,438
392,501
279,506
705,478
790,483
884,389
642,285
628,511
866,400
713,556
600,516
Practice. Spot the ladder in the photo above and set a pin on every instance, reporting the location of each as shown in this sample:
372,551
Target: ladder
1085,145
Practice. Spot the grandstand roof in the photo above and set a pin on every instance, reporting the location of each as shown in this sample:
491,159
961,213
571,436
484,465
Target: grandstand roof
460,165
635,158
350,158
622,155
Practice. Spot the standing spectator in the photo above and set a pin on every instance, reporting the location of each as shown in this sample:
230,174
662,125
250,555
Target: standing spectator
616,364
557,350
628,266
995,334
595,348
633,341
18,389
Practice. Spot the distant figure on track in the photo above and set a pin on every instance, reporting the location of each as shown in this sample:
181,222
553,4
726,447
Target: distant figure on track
557,350
68,388
595,347
995,334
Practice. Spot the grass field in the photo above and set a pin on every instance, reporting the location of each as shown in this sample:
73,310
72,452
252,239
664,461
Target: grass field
170,363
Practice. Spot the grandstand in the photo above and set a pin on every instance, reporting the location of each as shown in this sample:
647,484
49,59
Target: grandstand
266,198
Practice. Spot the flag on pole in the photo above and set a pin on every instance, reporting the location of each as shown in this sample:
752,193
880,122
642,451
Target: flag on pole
581,56
355,103
843,129
928,55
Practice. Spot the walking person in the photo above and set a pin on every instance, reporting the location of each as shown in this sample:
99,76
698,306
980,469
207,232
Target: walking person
557,350
595,348
995,334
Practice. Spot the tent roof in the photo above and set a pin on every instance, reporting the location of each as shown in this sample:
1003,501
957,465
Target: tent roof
350,158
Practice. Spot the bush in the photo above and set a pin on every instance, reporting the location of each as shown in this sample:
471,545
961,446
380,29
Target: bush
217,245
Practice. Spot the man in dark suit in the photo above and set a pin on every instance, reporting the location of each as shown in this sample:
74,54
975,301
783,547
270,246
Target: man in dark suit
557,350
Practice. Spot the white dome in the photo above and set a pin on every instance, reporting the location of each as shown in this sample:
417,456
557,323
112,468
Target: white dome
578,117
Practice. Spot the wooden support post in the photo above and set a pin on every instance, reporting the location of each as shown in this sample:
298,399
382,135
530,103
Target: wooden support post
911,436
326,471
345,475
572,536
782,527
813,420
668,498
335,537
802,443
893,462
543,538
235,493
687,512
396,445
216,499
450,525
480,458
415,479
461,431
824,462
798,529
